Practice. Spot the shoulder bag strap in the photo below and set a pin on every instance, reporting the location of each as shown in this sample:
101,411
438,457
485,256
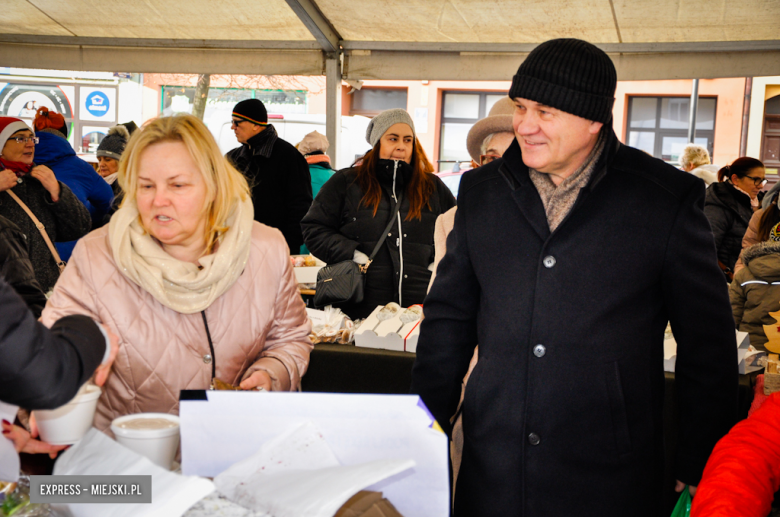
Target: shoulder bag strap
41,228
364,267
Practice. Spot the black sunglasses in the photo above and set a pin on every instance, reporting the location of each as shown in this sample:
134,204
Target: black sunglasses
234,122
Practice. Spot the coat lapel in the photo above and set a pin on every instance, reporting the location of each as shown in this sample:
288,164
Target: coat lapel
524,193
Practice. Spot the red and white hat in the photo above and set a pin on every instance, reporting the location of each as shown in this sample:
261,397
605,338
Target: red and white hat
9,126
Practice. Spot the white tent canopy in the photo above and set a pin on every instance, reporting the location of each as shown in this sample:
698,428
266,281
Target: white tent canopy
389,39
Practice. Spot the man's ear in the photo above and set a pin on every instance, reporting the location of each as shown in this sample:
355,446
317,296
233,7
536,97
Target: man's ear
595,127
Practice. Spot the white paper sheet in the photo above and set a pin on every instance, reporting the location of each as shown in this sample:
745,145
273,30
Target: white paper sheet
297,475
9,459
97,454
358,428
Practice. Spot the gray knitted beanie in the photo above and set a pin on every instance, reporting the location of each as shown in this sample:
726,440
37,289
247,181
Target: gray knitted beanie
382,122
113,145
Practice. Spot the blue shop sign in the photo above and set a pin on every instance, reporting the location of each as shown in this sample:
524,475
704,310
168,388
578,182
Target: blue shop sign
97,104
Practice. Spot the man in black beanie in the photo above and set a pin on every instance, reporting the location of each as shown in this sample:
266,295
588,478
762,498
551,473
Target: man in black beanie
277,173
568,257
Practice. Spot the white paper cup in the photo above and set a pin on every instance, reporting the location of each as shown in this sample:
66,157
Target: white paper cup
69,423
159,445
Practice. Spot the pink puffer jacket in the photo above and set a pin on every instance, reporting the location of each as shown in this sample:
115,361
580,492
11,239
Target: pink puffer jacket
260,323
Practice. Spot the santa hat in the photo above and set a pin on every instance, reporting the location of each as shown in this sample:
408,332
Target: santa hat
9,126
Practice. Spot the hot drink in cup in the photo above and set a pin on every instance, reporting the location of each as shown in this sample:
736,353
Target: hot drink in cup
154,435
69,423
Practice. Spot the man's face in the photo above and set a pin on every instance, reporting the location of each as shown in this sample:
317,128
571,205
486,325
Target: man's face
244,129
553,141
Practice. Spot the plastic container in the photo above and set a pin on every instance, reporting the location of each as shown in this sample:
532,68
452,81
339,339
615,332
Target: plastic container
159,445
69,423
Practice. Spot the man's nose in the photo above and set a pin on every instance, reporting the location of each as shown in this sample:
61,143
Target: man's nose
526,125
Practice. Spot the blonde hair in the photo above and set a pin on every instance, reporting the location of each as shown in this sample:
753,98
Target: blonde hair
225,186
695,155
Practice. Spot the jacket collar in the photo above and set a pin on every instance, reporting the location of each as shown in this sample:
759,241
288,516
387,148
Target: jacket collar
389,174
527,198
263,142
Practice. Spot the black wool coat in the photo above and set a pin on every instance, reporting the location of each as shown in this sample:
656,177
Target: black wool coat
338,224
563,413
280,183
16,268
42,368
729,213
66,220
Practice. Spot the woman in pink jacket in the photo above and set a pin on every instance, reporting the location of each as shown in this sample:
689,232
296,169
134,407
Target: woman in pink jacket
195,289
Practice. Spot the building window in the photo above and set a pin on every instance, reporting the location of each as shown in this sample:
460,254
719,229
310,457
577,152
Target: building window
770,143
659,125
370,102
460,111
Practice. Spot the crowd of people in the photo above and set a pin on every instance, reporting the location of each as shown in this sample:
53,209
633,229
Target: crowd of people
179,275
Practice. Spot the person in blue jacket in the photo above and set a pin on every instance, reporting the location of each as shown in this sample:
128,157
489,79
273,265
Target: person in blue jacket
54,151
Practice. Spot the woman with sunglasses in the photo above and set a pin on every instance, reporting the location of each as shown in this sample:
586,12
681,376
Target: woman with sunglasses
60,212
730,204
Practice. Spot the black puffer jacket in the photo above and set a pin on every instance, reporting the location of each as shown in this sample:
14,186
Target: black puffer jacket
16,268
338,224
728,211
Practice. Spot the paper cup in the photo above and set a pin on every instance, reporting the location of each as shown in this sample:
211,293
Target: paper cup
159,445
69,423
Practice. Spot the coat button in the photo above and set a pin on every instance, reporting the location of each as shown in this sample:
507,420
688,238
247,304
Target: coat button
406,276
534,439
354,218
207,358
549,261
539,350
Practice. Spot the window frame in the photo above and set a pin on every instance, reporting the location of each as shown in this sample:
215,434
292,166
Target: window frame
660,132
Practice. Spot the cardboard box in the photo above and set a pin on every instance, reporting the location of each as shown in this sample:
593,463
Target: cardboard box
392,334
307,275
367,504
747,356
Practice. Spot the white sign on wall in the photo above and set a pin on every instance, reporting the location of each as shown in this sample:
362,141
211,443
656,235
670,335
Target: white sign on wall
98,104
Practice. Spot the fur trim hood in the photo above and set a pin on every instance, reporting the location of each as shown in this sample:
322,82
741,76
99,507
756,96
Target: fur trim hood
762,249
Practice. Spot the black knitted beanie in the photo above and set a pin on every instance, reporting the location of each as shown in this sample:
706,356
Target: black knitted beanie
570,75
252,110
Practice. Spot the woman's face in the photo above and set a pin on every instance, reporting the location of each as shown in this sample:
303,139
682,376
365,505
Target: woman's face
107,166
171,197
397,143
13,151
751,183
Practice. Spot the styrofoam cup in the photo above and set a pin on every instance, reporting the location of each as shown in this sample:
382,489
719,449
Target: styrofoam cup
69,423
159,445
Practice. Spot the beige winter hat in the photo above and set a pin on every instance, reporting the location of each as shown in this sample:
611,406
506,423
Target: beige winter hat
499,119
314,141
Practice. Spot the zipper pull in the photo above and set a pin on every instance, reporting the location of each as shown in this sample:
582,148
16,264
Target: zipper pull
398,241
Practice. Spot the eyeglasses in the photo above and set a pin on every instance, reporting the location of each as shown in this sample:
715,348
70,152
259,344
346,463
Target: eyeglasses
758,182
484,159
24,140
235,123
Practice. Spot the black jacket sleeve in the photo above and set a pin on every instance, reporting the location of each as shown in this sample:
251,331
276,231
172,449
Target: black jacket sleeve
298,199
448,333
16,268
42,368
706,375
321,224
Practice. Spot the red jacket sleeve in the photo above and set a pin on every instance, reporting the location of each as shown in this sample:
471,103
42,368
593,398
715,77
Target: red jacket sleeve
743,472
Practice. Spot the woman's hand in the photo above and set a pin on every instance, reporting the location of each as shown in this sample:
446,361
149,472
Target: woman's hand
7,179
24,442
259,379
46,176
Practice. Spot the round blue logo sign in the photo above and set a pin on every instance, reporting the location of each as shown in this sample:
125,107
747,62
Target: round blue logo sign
97,104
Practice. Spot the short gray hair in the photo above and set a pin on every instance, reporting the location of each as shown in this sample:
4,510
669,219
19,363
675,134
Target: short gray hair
485,143
695,155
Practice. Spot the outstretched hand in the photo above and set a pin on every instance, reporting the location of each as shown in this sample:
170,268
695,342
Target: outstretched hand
24,442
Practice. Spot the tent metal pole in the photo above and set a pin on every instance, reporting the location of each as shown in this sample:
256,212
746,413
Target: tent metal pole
333,105
694,106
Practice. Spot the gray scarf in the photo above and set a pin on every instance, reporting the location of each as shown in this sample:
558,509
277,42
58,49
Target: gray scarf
558,201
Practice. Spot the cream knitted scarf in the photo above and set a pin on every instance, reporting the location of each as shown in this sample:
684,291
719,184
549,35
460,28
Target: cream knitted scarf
181,286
